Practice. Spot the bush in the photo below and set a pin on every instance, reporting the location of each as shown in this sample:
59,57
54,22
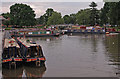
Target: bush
8,28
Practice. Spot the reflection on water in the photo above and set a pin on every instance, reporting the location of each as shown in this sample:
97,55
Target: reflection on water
113,51
77,56
12,73
43,38
34,72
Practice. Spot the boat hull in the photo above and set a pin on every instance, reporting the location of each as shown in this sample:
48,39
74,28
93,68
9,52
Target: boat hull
36,35
12,65
34,62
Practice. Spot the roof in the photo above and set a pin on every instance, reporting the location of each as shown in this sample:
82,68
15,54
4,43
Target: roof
24,42
10,43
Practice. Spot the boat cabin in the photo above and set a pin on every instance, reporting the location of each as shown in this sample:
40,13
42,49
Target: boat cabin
31,52
29,48
11,49
11,53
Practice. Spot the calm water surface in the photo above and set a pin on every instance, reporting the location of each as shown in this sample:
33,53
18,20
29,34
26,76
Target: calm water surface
76,56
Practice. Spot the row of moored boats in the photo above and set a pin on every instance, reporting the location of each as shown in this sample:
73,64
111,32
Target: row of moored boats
19,51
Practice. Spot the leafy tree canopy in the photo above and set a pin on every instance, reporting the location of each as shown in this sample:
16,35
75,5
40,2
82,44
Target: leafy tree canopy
22,15
56,18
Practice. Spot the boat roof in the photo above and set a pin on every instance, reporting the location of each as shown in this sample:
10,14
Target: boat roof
10,43
25,43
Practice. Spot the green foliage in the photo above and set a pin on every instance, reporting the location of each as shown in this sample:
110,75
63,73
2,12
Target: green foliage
93,5
73,18
43,19
67,19
110,13
6,15
94,16
22,15
49,12
70,19
40,27
83,17
8,28
6,22
56,18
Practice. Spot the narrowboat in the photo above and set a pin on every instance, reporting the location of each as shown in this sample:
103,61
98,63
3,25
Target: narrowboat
85,31
35,33
31,52
11,56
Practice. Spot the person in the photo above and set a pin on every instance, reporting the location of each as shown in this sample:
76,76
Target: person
105,29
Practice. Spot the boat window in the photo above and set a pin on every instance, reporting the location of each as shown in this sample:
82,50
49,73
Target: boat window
41,52
12,52
5,53
47,32
18,53
28,52
21,33
30,33
33,51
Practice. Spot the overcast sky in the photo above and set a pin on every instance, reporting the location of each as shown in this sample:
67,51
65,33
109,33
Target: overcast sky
63,7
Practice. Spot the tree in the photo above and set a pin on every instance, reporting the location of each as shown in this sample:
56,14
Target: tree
6,15
83,17
110,13
43,19
73,18
67,19
94,14
104,19
22,15
93,5
7,21
49,12
56,18
118,13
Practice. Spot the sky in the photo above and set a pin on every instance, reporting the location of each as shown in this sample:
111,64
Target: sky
63,7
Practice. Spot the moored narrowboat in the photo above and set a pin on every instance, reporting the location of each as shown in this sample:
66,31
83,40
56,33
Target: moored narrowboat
31,52
11,56
85,31
35,33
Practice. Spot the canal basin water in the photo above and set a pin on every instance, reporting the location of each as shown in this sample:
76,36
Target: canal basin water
79,56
